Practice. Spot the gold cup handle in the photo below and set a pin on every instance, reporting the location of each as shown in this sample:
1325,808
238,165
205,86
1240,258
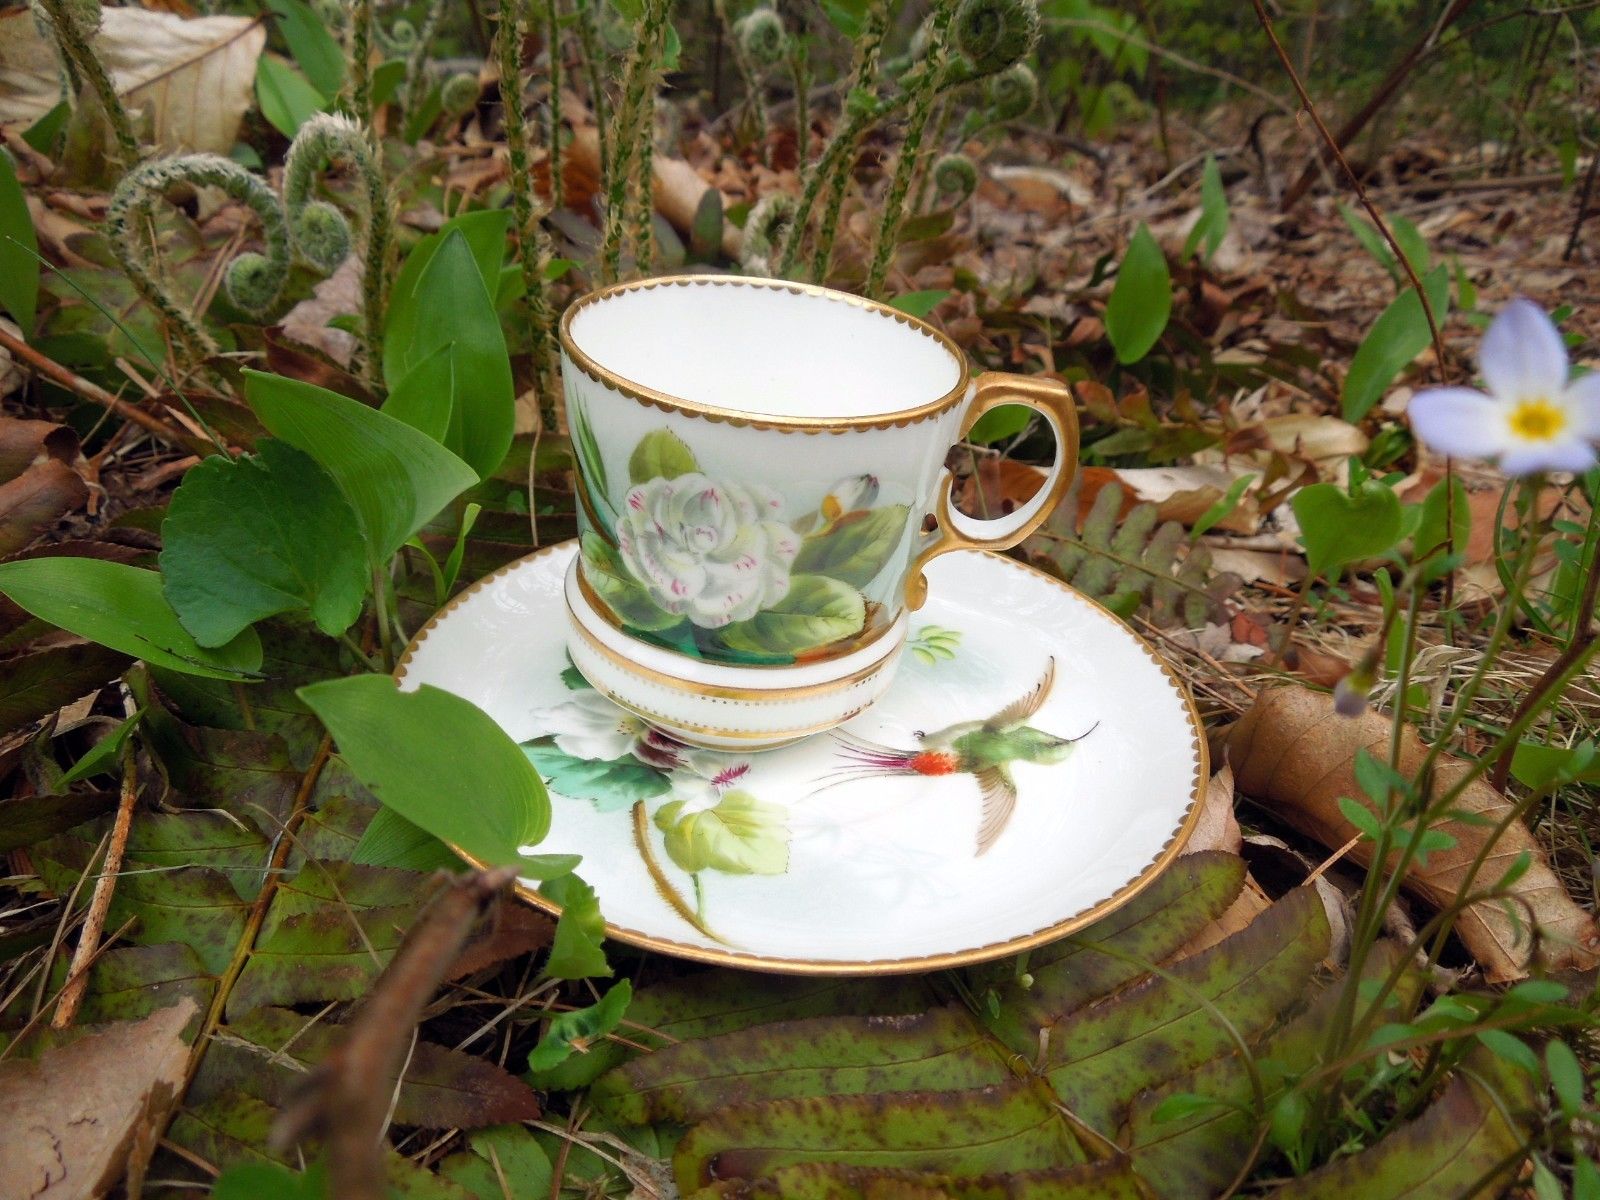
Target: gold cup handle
957,531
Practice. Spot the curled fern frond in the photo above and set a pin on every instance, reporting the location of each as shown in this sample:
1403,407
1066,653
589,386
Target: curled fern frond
955,175
458,94
321,232
765,231
254,281
762,36
1013,93
1135,561
993,34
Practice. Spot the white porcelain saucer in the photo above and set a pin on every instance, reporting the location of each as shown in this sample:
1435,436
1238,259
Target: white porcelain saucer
1033,766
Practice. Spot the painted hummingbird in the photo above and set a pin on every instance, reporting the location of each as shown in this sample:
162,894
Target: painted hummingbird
983,749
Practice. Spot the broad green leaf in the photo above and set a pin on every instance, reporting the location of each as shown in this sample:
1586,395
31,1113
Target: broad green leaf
132,982
19,249
1371,240
1000,424
1362,817
856,549
1447,499
1007,1127
437,760
939,1050
25,820
1110,1180
122,607
1141,298
101,758
660,454
1398,336
502,1152
613,583
572,1032
1462,1143
847,16
395,478
37,684
453,308
1566,1077
485,231
1540,767
815,611
43,134
739,835
313,47
1099,1060
575,951
270,1181
1212,225
287,98
705,231
1511,1048
247,538
1339,528
919,304
389,840
426,397
613,785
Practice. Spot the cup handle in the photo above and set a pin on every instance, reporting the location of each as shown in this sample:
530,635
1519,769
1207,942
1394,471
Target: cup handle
955,530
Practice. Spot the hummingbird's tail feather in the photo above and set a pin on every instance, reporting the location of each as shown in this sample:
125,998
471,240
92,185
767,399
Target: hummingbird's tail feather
860,760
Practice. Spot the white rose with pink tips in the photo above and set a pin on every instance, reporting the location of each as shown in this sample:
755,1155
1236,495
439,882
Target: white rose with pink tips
713,552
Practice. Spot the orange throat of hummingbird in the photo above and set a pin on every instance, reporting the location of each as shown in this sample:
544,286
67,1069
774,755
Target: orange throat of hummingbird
935,762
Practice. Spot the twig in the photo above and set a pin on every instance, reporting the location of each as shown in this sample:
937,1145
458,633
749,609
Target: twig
347,1096
1583,207
100,902
96,394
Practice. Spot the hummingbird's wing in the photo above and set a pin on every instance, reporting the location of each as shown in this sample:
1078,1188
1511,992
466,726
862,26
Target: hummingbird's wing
999,799
1020,710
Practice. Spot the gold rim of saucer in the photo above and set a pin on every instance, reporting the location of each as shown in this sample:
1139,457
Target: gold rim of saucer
895,966
730,416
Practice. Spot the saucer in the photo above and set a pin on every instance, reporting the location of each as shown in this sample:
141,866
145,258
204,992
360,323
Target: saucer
1033,766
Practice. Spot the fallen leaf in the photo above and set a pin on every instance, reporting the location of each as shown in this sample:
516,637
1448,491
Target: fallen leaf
1217,828
73,1117
1292,751
196,78
514,930
1319,438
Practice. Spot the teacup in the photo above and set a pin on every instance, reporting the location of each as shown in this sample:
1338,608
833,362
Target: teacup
756,463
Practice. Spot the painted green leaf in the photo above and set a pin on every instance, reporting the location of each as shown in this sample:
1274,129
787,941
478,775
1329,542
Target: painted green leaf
1100,1059
855,551
19,249
1141,299
1340,528
313,47
1007,1127
611,785
660,454
571,1032
247,538
575,951
37,684
426,397
613,583
287,98
451,306
1398,336
395,478
122,607
823,1056
485,232
441,1088
815,611
437,760
1463,1143
740,835
507,1152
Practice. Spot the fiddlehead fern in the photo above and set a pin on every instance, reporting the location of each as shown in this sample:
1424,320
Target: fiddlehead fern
991,35
324,140
955,175
759,41
765,232
73,22
1012,93
253,280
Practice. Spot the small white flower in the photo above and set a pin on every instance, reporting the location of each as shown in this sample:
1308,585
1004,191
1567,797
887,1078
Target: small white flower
713,552
591,727
1532,418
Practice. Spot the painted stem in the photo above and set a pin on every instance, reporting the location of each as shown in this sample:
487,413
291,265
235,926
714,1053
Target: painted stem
532,253
673,897
76,48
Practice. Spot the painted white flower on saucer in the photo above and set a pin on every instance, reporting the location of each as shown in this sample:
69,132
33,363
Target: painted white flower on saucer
713,552
1531,418
590,726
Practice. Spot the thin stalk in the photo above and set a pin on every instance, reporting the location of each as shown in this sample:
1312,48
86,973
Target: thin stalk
637,83
589,46
838,185
930,154
754,95
380,609
552,38
644,193
526,209
361,64
800,73
76,47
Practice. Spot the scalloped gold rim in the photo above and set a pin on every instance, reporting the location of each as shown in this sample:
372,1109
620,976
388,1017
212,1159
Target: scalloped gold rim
667,402
893,966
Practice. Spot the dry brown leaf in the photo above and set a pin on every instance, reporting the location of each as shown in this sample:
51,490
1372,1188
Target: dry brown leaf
1318,438
1293,751
196,78
1218,829
72,1117
1185,493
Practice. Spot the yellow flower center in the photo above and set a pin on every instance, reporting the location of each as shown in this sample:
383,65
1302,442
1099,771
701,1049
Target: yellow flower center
1537,420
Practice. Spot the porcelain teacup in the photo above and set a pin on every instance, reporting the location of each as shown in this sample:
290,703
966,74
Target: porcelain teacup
757,461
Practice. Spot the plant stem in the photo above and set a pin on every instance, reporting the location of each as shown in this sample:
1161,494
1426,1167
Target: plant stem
380,609
638,83
76,47
361,63
552,38
800,72
588,42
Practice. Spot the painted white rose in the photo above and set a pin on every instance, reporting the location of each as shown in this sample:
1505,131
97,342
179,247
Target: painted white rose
713,552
